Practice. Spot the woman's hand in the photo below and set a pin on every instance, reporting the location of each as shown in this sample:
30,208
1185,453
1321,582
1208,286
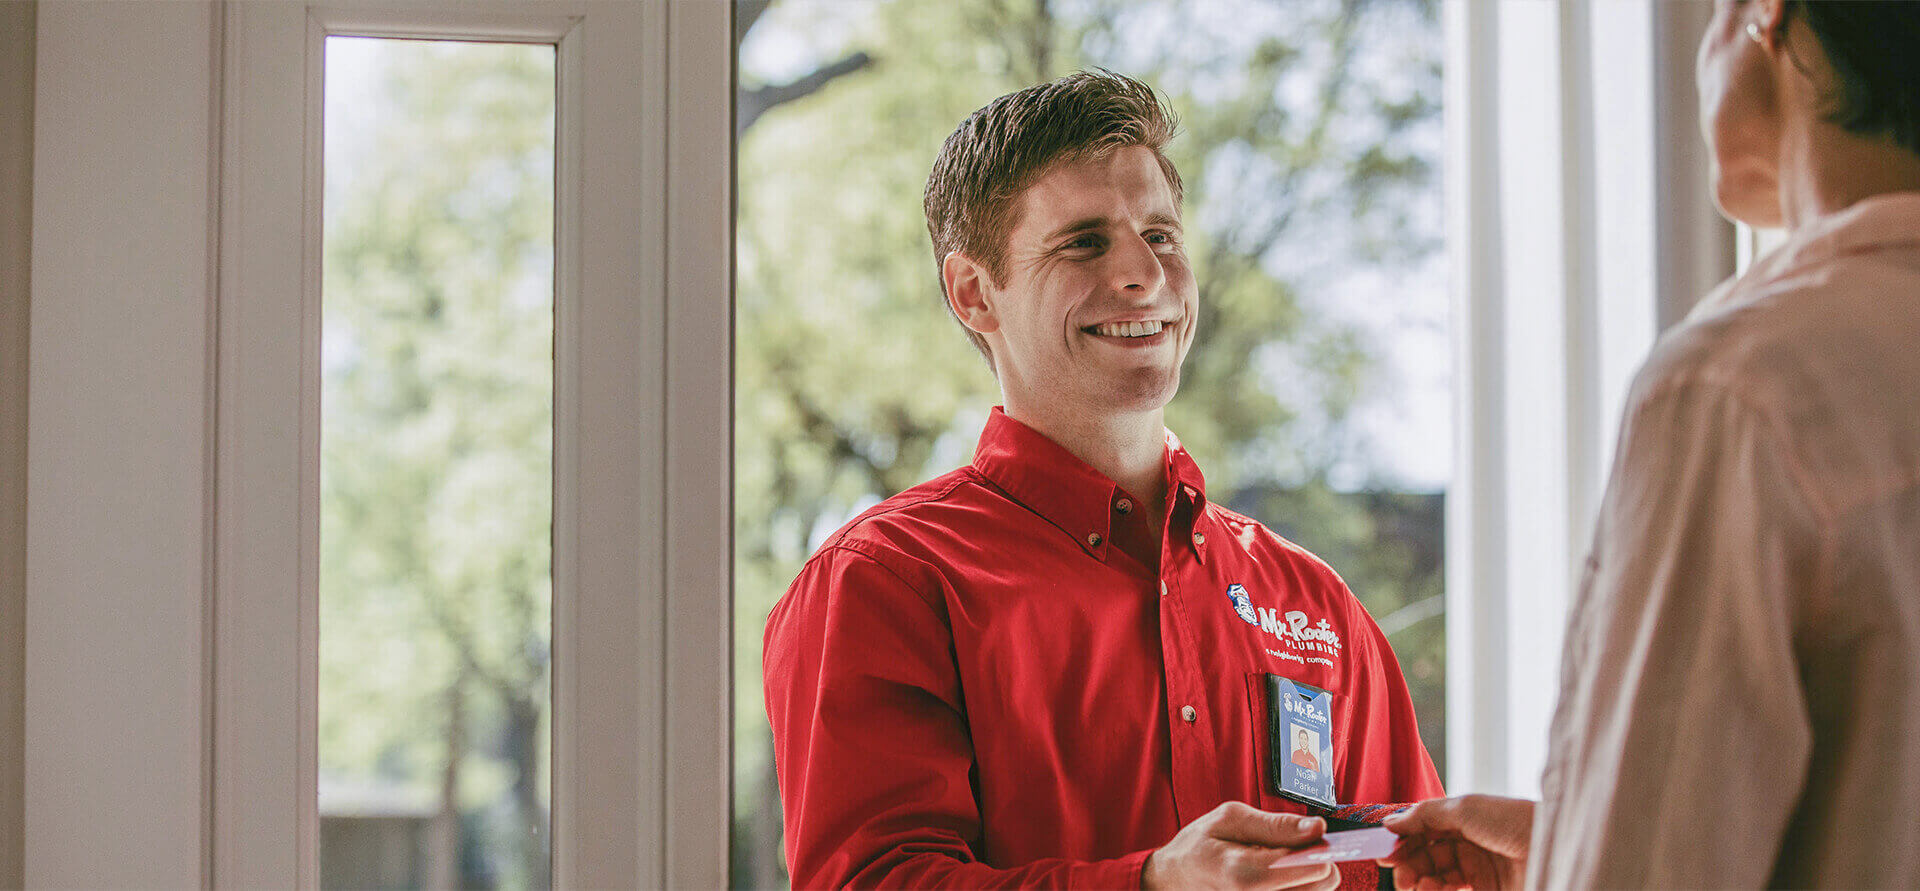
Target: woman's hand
1473,841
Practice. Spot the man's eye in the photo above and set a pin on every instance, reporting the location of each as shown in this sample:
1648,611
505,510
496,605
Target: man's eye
1083,241
1162,238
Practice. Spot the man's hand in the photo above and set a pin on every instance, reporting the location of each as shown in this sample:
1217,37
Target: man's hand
1234,846
1474,841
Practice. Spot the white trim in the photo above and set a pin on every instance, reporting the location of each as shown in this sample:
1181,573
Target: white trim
485,22
117,567
699,447
608,787
1476,499
265,826
1581,311
1539,230
642,391
1626,99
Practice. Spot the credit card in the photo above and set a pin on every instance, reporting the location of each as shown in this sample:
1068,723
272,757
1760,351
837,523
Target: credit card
1341,847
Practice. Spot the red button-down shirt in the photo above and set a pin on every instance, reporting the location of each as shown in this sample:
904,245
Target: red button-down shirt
1002,677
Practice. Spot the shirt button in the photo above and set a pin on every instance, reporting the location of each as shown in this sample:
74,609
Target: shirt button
1093,539
1163,589
1124,506
1199,538
1189,714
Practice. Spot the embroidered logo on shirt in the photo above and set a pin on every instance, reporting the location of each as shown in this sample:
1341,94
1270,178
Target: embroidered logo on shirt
1299,632
1242,604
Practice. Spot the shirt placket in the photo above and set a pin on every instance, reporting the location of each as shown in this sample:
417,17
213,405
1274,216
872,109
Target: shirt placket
1196,753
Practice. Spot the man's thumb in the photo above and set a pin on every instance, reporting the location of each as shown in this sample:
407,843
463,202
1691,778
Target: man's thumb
1275,830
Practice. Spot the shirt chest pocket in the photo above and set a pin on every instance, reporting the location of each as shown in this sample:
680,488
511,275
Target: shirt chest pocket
1260,718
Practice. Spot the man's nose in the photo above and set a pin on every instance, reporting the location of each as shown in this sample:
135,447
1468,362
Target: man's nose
1134,268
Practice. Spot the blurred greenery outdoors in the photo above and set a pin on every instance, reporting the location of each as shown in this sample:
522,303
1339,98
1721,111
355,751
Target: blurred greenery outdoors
1311,126
1310,141
437,464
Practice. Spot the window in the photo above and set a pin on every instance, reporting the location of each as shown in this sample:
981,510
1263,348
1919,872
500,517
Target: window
436,474
619,303
1317,397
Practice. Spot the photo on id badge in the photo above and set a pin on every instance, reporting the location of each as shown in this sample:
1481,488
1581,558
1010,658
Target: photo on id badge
1300,741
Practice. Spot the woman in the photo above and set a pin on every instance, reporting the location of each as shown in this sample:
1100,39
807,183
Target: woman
1740,700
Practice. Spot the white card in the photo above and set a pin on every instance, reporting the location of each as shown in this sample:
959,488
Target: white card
1341,847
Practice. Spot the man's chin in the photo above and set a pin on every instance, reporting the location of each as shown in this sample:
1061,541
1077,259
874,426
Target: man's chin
1144,392
1131,391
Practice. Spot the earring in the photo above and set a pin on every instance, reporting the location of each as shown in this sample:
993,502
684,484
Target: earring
1753,33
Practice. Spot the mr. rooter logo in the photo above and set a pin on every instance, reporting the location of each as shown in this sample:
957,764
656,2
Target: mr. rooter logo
1297,631
1306,709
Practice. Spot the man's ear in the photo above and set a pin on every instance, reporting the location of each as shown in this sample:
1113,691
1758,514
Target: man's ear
969,292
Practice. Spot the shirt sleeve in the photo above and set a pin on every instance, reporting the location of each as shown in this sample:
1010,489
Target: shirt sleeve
1386,761
1681,739
871,742
1384,766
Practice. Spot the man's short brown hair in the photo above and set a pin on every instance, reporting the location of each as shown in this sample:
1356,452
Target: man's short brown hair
997,152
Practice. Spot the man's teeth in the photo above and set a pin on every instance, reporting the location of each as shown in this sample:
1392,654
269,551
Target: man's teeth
1129,329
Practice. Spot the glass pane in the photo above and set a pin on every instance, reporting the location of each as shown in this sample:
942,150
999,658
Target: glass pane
436,465
1317,394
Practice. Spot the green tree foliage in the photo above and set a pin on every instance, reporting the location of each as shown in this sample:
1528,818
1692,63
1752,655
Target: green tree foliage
1300,120
437,488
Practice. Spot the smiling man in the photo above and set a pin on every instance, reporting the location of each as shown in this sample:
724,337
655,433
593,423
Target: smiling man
1063,665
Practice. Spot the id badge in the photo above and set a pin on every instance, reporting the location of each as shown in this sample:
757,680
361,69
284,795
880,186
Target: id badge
1300,741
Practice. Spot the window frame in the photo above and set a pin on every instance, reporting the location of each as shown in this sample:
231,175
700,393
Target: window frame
642,369
173,521
1573,247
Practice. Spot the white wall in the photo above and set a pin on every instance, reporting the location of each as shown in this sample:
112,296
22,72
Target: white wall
16,210
118,451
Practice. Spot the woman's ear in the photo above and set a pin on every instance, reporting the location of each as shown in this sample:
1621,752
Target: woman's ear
969,292
1772,31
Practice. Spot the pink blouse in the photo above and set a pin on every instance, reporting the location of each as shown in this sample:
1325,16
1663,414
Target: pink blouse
1740,696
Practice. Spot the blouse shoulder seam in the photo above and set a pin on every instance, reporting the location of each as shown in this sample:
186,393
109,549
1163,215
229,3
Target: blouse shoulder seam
1825,512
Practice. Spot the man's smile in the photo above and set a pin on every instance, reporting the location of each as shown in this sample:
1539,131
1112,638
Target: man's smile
1132,333
1126,329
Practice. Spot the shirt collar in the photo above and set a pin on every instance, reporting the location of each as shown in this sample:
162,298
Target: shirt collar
1064,490
1874,223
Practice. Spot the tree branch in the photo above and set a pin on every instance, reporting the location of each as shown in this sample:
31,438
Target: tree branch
820,427
757,101
459,635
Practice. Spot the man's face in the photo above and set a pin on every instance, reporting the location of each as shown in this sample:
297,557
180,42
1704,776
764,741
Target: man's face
1096,305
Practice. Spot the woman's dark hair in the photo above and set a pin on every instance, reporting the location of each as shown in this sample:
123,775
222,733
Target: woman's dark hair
1874,47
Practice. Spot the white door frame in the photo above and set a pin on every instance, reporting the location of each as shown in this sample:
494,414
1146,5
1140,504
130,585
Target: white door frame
174,453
